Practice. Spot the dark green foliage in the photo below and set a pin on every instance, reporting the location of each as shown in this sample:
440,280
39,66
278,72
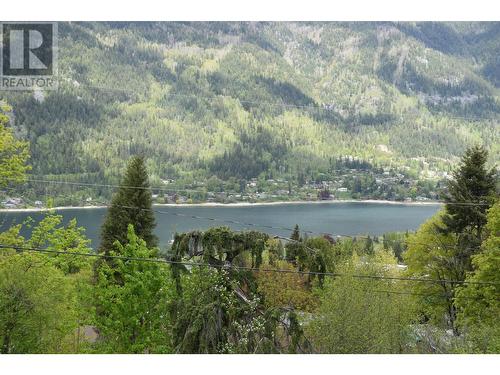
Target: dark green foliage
219,310
368,248
211,318
308,254
396,242
217,246
256,152
471,192
293,248
296,233
130,205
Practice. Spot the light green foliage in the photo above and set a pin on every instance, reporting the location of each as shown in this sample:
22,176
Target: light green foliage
74,273
357,316
52,234
132,316
480,304
13,152
283,289
38,306
430,255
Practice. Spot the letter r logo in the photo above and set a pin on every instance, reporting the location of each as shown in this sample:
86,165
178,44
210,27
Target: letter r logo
27,49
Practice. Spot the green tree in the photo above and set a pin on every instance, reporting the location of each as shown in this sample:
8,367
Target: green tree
52,234
296,233
73,272
38,306
369,247
395,241
294,247
362,315
470,193
219,310
213,316
442,247
132,204
133,316
285,290
480,304
430,254
13,153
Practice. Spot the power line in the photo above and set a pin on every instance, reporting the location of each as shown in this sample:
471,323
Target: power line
247,224
165,261
241,223
243,268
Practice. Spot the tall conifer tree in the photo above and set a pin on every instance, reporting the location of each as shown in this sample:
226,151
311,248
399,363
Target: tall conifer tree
131,204
471,193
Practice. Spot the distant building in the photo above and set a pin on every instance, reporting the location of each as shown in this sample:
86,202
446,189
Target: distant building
12,202
420,198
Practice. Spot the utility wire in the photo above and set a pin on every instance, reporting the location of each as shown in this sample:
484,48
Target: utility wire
241,223
255,225
165,261
243,268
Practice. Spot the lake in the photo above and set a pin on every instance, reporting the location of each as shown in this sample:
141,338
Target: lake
337,218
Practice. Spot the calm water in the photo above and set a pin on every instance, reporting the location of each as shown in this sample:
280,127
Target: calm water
338,218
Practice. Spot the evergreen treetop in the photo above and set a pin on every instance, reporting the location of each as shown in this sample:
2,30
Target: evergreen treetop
470,193
131,204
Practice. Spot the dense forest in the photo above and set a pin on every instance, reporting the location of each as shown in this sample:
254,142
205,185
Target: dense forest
236,102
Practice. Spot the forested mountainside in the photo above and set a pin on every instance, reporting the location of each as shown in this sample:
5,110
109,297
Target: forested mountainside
241,101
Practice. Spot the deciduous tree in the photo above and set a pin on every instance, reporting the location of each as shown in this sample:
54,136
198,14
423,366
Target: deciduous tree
479,304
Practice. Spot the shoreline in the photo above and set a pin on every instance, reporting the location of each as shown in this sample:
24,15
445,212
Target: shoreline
236,204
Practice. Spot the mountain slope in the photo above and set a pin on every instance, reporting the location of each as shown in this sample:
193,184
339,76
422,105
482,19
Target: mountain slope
273,99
